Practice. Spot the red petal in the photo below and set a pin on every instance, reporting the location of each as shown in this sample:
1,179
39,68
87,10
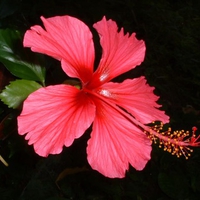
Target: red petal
54,116
67,39
137,98
115,142
121,53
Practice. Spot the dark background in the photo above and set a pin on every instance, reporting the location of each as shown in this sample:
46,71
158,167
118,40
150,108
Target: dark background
171,31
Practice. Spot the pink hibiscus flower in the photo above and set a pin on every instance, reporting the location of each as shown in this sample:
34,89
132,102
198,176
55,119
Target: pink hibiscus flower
53,116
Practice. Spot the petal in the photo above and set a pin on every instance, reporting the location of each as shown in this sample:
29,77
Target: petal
67,39
54,116
115,142
137,97
121,52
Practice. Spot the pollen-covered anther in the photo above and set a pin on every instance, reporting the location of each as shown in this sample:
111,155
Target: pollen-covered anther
175,142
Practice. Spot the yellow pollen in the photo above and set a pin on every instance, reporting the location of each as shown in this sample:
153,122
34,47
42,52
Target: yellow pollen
175,142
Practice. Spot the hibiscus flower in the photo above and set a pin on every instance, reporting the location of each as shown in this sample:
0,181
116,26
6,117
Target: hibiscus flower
54,116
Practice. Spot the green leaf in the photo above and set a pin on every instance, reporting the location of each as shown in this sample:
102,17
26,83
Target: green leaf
15,93
20,61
